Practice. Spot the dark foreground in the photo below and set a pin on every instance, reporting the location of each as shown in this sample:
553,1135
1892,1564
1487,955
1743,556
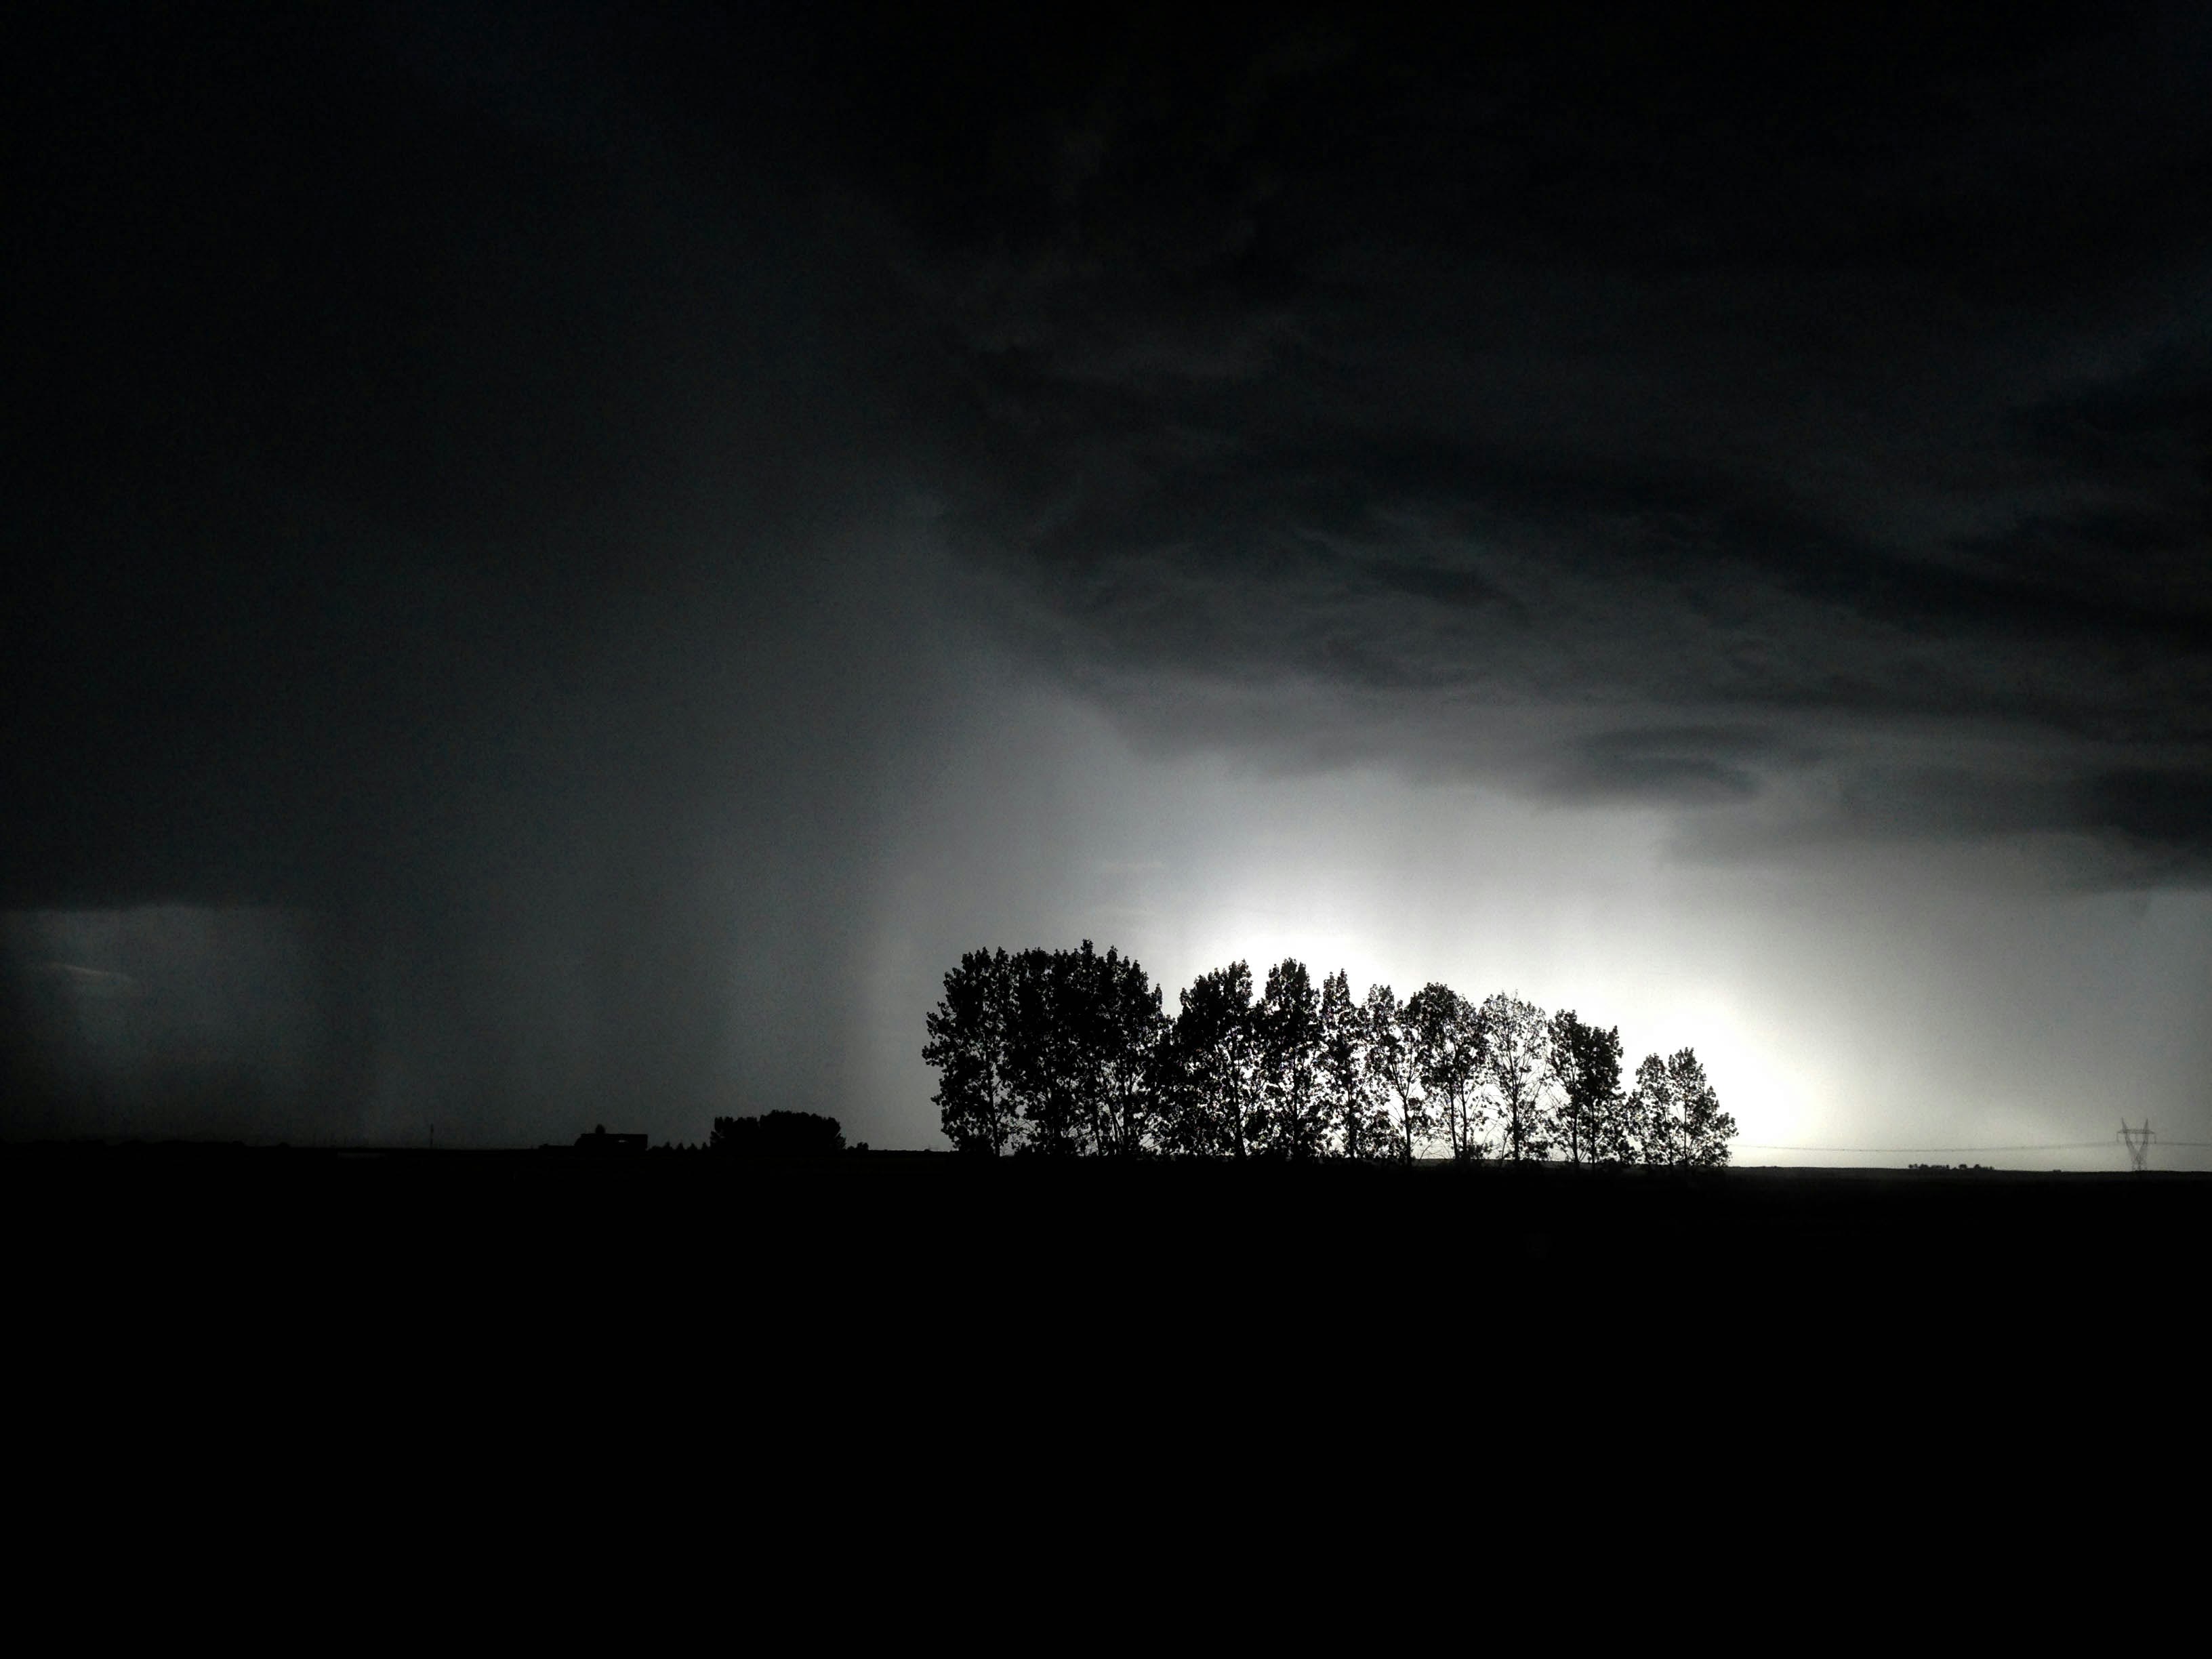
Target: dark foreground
926,1237
885,1329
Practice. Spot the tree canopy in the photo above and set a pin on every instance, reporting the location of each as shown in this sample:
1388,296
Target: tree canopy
778,1134
1069,1053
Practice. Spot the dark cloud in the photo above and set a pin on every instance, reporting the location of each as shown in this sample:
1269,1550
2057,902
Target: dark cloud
1747,372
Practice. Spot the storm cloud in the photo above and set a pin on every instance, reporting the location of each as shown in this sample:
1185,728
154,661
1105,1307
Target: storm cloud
1756,396
581,511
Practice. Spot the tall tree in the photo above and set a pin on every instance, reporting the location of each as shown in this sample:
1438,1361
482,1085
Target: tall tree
1703,1131
1293,1118
1650,1114
1585,1062
1393,1067
1121,1032
969,1035
1042,1063
1213,1109
1515,1067
1358,1123
1447,1043
1082,1031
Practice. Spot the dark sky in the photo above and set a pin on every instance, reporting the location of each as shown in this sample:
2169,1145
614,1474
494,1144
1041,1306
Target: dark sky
560,563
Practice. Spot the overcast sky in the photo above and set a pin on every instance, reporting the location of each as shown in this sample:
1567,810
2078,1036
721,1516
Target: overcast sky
561,564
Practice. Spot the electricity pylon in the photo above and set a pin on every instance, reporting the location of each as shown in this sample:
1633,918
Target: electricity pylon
2138,1141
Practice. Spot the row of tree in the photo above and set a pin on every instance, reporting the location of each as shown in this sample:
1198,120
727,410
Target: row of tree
1070,1052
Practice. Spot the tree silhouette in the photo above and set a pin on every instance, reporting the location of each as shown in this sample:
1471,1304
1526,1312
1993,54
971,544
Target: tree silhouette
1702,1130
970,1037
1068,1053
1293,1116
1214,1079
1351,1093
1675,1115
1109,1026
1047,1052
1586,1070
1045,1062
1447,1043
1393,1063
1648,1115
1514,1065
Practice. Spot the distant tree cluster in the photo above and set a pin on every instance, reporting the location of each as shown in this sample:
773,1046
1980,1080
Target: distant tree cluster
1066,1052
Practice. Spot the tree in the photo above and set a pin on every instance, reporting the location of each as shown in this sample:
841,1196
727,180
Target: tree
969,1044
1648,1117
1702,1139
1516,1063
1585,1063
1293,1118
1082,1031
1044,1066
1068,1053
1393,1067
1358,1122
1213,1075
1112,1012
1447,1040
1673,1115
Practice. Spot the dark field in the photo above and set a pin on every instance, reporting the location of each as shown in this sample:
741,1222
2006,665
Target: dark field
916,1234
658,1315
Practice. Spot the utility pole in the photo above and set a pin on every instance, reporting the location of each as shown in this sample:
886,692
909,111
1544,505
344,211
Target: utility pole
2138,1144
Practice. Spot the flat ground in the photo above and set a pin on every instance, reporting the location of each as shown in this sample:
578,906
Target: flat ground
926,1227
680,1301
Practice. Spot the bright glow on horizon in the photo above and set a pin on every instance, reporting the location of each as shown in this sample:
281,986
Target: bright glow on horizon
1837,1005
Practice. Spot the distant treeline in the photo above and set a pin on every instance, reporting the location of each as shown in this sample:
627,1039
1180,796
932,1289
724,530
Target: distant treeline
1069,1053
